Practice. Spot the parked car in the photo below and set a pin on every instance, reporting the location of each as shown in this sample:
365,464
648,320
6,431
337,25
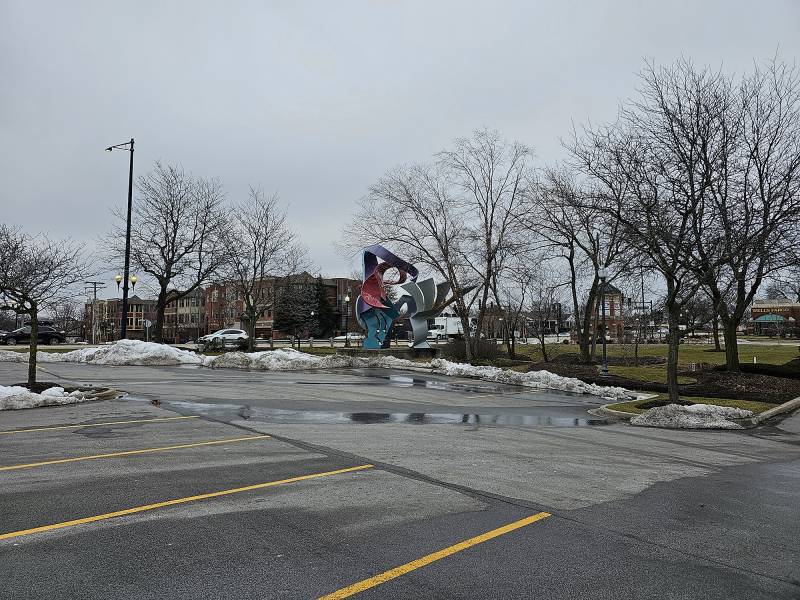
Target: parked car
47,335
352,336
225,334
224,338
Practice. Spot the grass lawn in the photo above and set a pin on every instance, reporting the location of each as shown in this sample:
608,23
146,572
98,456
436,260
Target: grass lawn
20,348
633,408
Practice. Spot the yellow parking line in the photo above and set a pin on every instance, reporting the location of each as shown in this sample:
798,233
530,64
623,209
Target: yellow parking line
138,509
366,584
10,431
59,461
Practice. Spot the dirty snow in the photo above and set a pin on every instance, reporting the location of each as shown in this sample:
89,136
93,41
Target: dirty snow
694,416
288,359
134,352
534,379
16,397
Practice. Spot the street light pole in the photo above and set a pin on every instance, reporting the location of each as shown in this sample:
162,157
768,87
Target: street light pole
602,272
124,324
347,320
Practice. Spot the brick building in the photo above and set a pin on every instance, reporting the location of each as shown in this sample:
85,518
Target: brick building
185,319
224,303
615,314
108,323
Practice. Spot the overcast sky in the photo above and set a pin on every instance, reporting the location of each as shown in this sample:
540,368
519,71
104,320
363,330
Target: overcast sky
317,99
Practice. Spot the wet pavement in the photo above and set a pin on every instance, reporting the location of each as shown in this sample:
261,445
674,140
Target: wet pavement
296,485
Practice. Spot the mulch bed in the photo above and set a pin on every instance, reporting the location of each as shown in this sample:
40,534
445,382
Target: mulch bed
710,384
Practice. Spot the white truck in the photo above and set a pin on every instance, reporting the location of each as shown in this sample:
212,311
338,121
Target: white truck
446,327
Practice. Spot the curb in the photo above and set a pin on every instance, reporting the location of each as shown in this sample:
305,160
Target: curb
784,408
610,412
105,394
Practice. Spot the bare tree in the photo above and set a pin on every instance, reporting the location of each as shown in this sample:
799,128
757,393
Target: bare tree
785,284
260,250
583,234
545,300
177,223
67,315
655,210
738,150
36,273
453,216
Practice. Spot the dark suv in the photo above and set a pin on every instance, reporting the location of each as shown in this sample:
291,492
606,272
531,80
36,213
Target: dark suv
47,335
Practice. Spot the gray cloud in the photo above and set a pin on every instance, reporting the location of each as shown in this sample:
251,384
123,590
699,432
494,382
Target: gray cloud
317,100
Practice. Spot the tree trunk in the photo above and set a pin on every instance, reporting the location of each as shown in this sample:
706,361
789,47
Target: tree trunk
544,350
161,306
731,347
251,331
583,343
34,344
672,355
715,332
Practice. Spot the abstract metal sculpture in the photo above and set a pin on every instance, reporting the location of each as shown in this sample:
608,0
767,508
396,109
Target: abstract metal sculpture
376,313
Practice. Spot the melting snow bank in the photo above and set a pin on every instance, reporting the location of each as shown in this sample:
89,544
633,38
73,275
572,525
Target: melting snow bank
287,359
16,397
121,353
693,416
535,379
134,352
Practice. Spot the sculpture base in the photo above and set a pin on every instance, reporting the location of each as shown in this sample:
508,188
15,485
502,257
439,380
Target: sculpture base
396,351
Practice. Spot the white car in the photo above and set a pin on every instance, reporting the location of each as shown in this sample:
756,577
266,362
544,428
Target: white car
227,335
352,336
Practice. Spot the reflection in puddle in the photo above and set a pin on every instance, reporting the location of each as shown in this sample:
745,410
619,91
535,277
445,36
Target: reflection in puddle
225,412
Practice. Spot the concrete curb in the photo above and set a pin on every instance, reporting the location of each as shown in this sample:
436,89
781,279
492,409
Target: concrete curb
781,409
105,394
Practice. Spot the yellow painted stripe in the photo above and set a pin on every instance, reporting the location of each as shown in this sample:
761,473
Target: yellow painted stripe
132,452
138,509
10,431
366,584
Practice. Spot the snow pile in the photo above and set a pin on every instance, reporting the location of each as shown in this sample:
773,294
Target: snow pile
123,352
289,359
15,397
10,356
693,416
131,352
533,379
270,360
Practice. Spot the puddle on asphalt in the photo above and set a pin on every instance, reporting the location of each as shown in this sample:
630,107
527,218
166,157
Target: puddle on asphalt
275,415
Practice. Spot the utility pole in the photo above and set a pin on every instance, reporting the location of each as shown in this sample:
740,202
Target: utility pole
124,325
94,285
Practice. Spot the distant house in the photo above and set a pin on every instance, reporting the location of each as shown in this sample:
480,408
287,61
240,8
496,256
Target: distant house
614,311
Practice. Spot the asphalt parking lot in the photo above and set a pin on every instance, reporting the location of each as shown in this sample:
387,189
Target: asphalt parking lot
216,493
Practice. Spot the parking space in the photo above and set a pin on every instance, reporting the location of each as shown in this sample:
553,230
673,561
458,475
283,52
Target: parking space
151,490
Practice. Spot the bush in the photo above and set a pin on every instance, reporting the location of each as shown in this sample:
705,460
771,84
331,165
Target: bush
456,350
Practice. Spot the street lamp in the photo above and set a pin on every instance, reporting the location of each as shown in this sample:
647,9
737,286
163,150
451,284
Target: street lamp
603,274
124,325
133,279
347,319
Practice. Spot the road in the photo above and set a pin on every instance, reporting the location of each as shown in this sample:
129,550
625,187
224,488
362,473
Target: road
382,484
